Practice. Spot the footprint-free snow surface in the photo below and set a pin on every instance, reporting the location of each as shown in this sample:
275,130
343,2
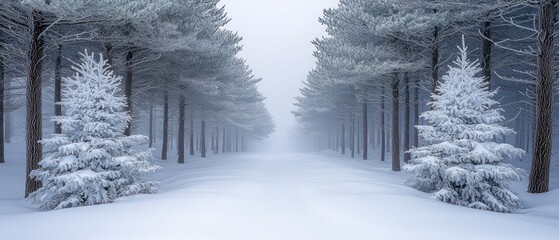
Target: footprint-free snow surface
274,196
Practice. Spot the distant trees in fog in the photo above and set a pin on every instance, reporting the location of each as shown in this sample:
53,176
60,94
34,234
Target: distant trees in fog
381,62
180,66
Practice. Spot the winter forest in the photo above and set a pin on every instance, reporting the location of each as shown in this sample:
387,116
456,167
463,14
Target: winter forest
252,119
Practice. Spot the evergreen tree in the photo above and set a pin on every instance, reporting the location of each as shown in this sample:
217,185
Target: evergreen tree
92,162
461,162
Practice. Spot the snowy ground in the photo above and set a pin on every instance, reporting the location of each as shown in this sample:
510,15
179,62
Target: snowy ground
275,196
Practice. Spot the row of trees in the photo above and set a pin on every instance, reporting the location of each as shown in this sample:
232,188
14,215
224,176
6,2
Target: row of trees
176,58
381,61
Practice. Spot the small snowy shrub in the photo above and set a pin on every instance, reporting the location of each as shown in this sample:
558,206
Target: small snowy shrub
92,162
460,162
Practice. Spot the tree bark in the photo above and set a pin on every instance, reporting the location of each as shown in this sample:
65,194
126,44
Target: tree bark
518,141
342,139
229,137
34,100
416,113
58,88
382,126
407,119
365,131
180,142
435,58
7,114
151,124
191,143
212,140
224,141
171,137
165,133
373,135
329,141
243,143
237,140
352,136
109,53
203,139
128,88
395,124
541,161
198,142
2,100
358,135
486,45
216,147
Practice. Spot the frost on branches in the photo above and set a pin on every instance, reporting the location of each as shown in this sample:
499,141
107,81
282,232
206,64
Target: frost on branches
92,162
461,163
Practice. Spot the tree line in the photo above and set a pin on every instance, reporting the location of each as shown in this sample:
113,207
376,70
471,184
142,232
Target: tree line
181,71
381,62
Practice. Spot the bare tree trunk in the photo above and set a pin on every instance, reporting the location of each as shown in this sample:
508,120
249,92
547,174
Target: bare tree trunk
224,141
358,135
382,126
416,114
237,140
373,134
388,133
342,138
435,58
486,45
329,141
212,140
395,124
332,137
352,136
34,100
165,133
128,88
180,142
229,138
243,143
533,126
333,134
172,137
216,148
58,87
365,131
541,161
151,124
518,140
7,115
2,97
407,119
203,139
109,53
191,143
198,142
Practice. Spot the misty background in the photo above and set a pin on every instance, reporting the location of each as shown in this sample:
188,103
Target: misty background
277,45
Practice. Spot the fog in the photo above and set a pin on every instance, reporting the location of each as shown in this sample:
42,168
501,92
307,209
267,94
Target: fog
277,39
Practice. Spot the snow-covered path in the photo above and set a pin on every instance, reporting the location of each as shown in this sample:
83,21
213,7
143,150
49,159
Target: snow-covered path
276,196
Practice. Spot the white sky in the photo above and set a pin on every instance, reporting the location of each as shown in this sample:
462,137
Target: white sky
277,45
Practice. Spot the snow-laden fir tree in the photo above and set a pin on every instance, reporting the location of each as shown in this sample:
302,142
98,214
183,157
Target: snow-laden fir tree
461,163
92,162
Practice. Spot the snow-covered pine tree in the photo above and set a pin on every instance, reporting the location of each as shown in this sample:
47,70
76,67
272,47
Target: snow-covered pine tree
92,162
461,163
